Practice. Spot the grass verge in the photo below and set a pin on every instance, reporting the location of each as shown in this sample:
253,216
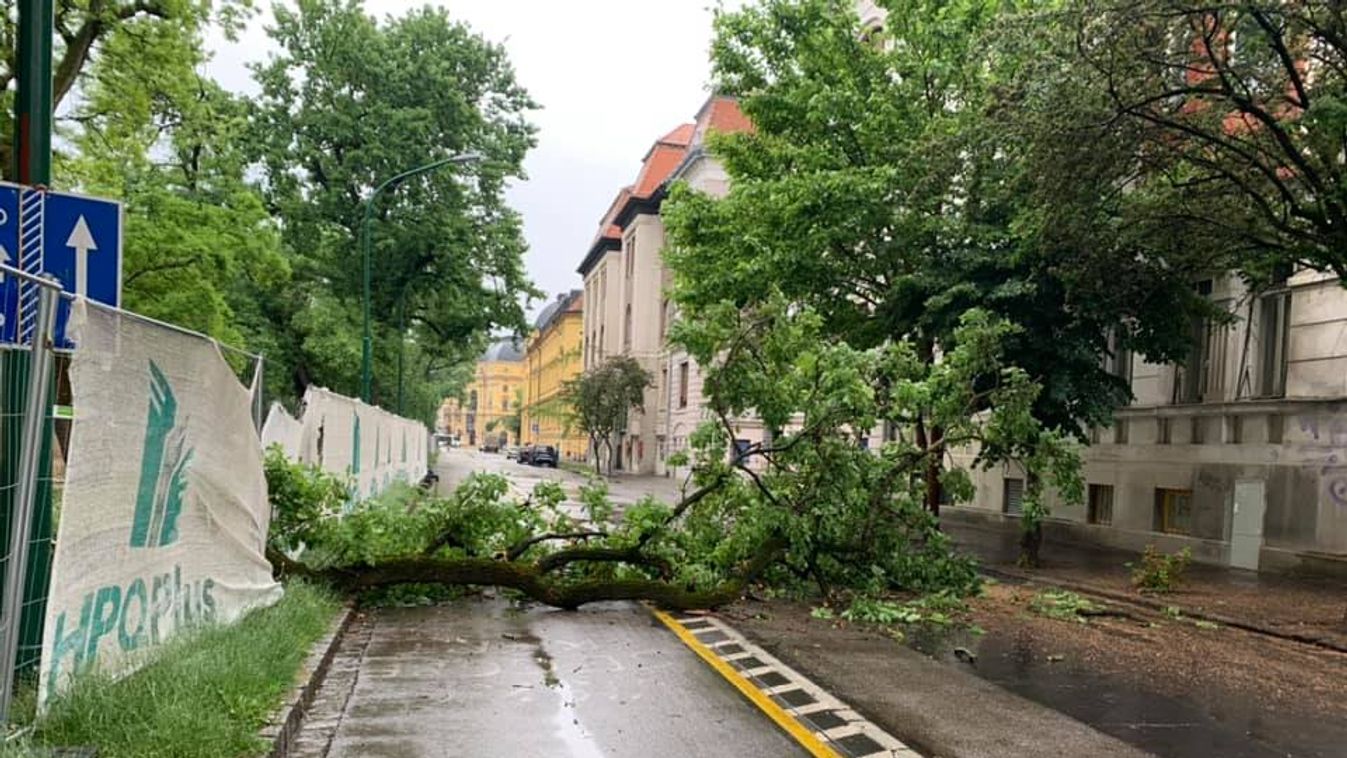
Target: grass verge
206,695
583,469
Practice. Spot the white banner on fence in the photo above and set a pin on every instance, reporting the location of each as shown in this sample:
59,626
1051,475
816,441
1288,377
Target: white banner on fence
370,445
283,429
165,513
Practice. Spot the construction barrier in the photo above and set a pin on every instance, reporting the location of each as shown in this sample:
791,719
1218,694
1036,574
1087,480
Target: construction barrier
165,512
346,437
284,430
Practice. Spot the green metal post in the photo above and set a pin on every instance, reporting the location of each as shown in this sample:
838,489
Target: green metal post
33,116
402,346
32,105
367,345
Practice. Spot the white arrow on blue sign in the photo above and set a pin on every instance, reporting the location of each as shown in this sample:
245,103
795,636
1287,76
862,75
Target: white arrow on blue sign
75,238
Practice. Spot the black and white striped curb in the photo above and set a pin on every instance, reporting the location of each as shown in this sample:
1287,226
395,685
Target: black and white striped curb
831,720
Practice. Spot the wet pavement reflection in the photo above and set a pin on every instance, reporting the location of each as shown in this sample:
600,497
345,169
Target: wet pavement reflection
1202,725
487,677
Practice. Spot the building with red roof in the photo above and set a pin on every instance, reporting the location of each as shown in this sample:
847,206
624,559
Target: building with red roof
627,309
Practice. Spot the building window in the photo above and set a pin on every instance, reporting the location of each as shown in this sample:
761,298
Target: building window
472,402
1275,428
683,384
1118,360
626,328
505,403
1162,433
741,447
631,255
1201,379
1174,511
1274,318
1012,496
663,318
1101,504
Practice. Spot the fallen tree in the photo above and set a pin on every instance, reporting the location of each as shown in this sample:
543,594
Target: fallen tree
809,503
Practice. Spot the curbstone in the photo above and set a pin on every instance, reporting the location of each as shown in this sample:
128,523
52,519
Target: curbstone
284,725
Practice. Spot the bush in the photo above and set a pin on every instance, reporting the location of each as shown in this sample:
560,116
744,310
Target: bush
302,496
1157,572
1063,605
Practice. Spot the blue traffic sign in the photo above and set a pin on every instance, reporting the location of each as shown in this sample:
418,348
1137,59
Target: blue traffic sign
75,238
9,255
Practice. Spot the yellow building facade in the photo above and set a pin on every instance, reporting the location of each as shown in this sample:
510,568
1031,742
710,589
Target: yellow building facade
553,358
490,401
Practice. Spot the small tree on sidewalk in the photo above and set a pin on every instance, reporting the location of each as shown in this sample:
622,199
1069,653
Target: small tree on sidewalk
600,400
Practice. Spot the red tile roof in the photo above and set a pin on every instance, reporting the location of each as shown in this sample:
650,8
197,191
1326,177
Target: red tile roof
607,227
661,159
720,113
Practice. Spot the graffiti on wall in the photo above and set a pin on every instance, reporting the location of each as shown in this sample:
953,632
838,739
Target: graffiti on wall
1329,430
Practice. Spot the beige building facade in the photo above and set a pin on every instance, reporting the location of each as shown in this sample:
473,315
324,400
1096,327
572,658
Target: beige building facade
628,311
1240,455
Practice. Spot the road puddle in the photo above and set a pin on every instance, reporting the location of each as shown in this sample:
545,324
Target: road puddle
1173,727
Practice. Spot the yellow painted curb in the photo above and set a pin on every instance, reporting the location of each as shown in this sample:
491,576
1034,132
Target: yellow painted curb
776,713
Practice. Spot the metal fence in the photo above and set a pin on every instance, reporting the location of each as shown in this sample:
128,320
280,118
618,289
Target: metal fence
36,420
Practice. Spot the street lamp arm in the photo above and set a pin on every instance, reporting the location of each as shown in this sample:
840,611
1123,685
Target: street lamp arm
367,344
409,173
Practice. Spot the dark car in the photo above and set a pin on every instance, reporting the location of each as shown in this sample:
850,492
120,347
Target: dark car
543,455
525,454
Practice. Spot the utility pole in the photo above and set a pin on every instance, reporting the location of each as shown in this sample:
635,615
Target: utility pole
33,116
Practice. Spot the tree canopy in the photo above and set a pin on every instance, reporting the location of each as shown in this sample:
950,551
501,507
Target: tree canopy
601,399
243,215
349,103
886,187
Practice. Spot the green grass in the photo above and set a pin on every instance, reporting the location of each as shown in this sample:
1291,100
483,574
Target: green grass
583,469
206,694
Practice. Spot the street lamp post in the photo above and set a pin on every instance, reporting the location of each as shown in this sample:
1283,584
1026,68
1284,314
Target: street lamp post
367,345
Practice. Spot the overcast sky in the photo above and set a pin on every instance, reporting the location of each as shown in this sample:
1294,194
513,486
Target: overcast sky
611,77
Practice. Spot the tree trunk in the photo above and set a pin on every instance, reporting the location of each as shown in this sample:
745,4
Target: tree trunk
932,443
537,581
1031,539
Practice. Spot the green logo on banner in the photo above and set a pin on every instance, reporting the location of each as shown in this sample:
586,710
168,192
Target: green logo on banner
163,469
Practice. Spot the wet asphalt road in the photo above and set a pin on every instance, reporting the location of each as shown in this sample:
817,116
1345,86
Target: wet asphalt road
487,678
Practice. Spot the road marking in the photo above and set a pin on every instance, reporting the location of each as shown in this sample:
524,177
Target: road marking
795,703
764,703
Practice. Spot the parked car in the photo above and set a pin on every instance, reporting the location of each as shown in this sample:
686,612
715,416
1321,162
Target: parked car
489,447
524,454
512,452
543,455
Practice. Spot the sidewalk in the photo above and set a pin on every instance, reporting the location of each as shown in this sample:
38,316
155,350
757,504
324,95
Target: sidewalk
937,709
1304,609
